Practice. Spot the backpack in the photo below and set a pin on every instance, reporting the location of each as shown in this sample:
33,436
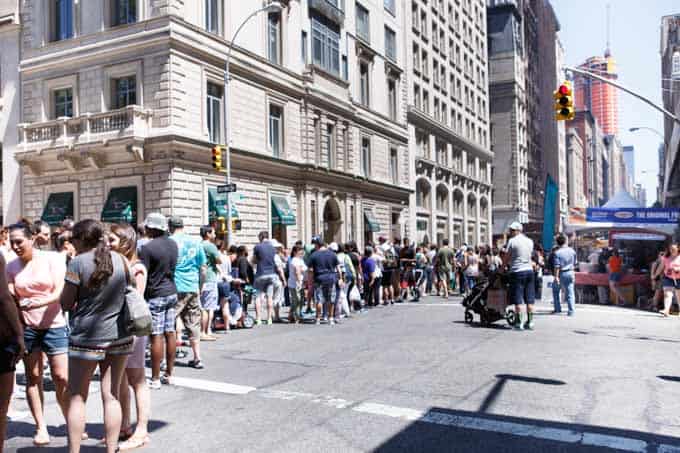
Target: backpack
390,258
550,263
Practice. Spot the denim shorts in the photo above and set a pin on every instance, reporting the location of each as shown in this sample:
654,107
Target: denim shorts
162,314
669,283
209,297
326,294
615,277
52,341
522,288
269,284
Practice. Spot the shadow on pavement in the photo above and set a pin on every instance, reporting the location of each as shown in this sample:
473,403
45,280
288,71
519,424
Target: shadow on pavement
94,430
670,378
503,379
446,430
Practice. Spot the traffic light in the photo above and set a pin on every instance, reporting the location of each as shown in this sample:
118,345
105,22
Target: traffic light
217,157
564,102
235,225
221,225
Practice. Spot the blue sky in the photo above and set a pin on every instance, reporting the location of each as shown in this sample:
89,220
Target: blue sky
635,39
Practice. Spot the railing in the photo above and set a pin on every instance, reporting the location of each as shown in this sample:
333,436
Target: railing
128,121
332,9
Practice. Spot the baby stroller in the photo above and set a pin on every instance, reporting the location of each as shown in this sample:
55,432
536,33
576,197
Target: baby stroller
489,300
238,301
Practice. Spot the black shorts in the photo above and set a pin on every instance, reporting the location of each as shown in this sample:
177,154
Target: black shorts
387,277
8,357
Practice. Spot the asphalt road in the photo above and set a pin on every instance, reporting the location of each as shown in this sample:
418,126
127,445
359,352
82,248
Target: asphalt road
414,377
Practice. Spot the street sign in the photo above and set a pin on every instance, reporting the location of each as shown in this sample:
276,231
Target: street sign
228,188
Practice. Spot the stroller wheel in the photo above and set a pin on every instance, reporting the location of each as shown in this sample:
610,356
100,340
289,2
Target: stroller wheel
468,317
511,317
248,322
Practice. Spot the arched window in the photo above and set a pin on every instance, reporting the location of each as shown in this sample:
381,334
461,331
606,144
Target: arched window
423,194
442,198
483,208
472,206
458,203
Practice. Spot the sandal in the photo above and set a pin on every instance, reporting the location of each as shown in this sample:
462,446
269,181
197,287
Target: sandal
134,442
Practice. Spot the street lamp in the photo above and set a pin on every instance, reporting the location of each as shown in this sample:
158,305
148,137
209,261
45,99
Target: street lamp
660,189
274,6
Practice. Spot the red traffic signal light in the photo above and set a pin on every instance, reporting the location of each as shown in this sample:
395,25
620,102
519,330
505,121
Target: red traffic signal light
564,90
564,102
217,157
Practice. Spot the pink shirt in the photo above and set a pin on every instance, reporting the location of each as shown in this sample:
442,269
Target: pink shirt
37,280
671,267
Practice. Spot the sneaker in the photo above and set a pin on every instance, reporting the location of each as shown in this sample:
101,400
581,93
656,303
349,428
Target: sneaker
258,322
167,380
154,384
196,364
331,322
270,322
529,325
317,322
571,313
518,326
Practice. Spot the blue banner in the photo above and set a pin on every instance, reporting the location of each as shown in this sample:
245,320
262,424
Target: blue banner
634,215
550,204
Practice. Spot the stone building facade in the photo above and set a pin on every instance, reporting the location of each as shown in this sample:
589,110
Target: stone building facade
576,170
121,108
669,171
448,121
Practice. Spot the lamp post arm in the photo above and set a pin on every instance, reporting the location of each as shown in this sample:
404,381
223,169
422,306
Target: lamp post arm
227,142
623,88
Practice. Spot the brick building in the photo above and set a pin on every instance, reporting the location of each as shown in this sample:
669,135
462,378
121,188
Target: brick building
596,96
120,108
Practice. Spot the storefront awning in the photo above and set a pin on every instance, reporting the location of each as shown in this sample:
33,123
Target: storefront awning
121,206
372,225
217,206
59,207
282,214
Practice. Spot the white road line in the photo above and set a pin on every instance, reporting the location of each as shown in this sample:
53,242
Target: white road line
212,386
436,417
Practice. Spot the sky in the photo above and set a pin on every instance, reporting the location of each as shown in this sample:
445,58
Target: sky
635,40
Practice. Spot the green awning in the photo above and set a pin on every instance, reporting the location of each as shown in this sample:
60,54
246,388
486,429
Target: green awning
217,206
372,225
281,212
59,207
121,206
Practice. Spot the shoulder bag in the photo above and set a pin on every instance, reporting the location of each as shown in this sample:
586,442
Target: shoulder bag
135,309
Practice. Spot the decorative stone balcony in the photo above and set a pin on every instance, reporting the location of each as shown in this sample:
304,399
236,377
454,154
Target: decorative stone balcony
129,122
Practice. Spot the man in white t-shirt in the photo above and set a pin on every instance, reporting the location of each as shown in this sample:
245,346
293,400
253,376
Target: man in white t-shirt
522,287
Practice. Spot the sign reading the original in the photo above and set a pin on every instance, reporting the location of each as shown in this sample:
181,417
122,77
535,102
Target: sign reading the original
634,215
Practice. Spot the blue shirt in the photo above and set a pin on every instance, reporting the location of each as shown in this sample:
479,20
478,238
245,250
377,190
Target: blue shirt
565,259
368,267
190,259
264,254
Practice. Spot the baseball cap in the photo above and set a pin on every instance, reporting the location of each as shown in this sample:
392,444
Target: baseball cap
156,221
276,244
176,222
516,226
333,246
317,240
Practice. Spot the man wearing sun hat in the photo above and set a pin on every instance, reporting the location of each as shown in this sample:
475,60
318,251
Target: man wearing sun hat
518,259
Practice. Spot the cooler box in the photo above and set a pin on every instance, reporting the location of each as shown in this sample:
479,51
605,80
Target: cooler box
628,293
497,299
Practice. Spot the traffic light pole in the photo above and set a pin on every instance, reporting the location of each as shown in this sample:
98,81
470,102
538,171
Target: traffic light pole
623,88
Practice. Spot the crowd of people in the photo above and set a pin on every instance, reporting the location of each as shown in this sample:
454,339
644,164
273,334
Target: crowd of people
63,294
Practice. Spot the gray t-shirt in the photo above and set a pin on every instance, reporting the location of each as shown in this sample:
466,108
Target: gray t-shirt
565,259
96,319
520,249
